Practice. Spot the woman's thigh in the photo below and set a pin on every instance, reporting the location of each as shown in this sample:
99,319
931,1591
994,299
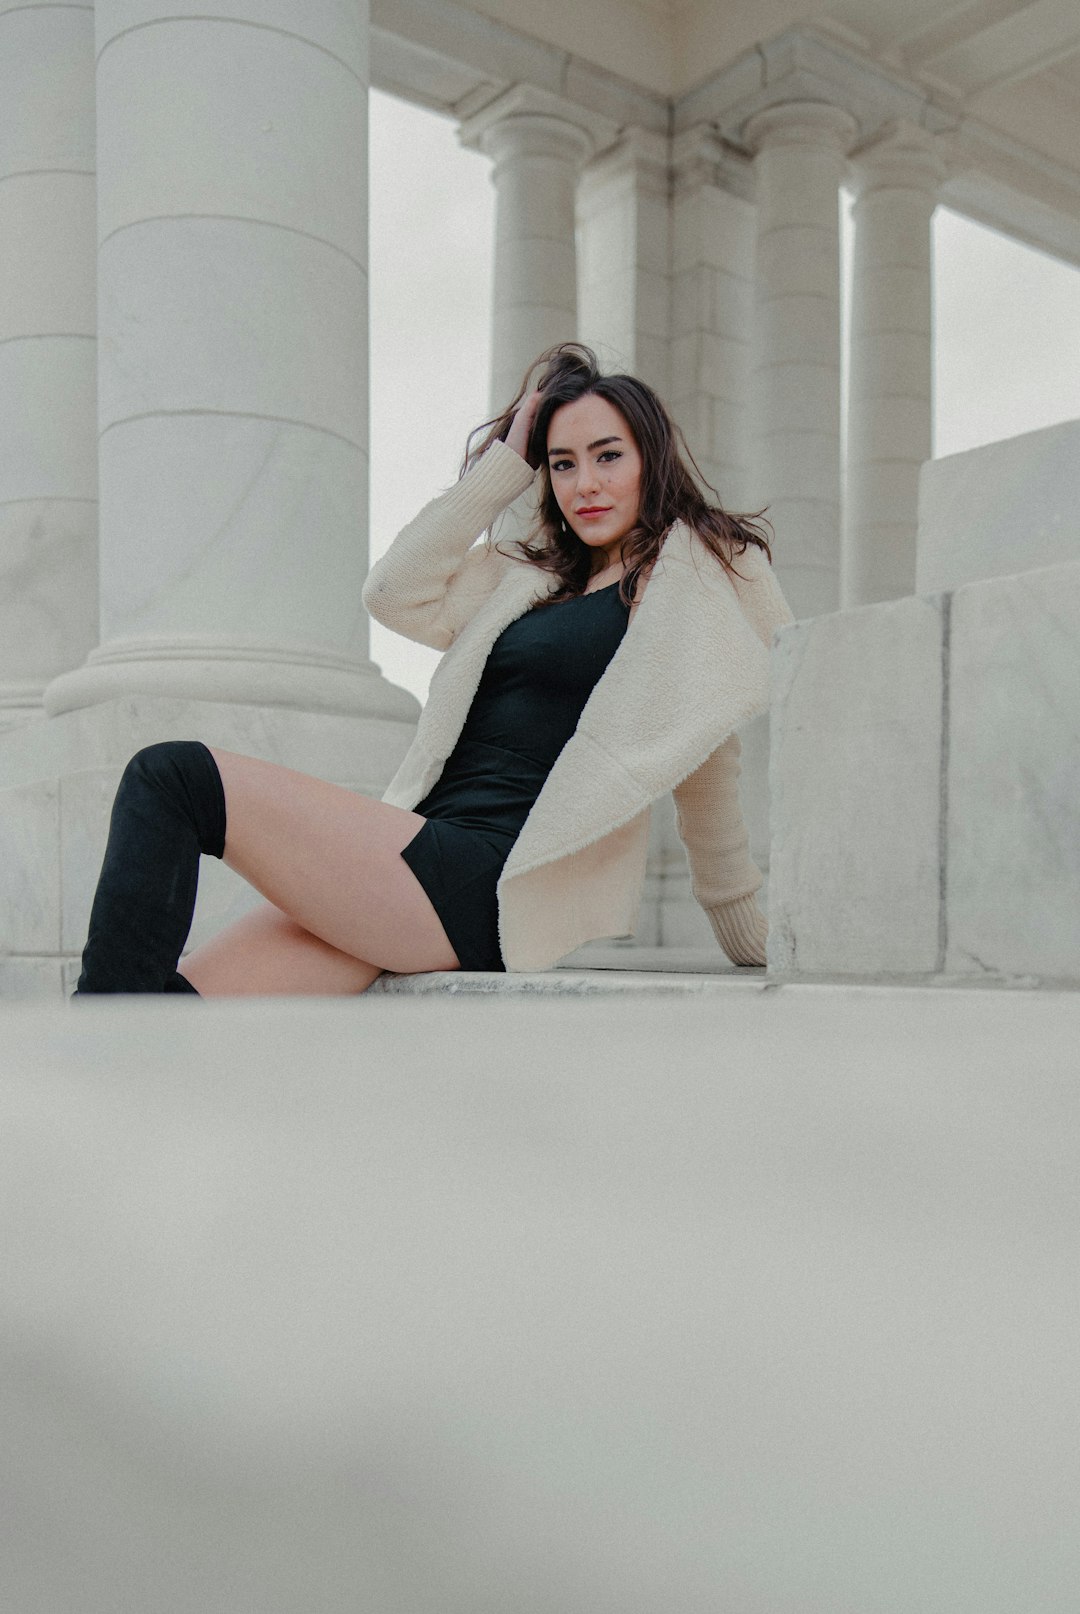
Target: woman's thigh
330,860
265,954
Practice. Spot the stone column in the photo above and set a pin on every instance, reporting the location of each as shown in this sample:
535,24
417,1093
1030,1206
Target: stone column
712,309
889,403
48,360
711,359
232,234
537,147
624,268
795,452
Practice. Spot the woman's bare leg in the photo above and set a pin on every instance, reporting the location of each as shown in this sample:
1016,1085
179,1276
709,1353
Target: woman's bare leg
342,904
266,953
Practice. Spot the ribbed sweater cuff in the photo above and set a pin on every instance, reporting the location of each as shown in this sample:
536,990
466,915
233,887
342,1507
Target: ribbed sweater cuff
499,476
741,929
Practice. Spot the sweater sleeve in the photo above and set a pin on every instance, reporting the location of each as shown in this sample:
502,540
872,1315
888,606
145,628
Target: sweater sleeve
431,580
723,875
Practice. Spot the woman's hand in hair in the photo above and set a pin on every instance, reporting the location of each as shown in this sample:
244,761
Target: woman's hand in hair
521,426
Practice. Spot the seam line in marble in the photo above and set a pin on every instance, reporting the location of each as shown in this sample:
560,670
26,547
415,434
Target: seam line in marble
30,173
50,336
943,784
236,218
47,5
237,22
48,498
230,414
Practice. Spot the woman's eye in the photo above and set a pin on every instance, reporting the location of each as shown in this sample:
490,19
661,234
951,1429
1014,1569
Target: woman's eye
612,454
561,465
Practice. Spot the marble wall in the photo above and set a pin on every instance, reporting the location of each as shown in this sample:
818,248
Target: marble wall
1005,507
925,779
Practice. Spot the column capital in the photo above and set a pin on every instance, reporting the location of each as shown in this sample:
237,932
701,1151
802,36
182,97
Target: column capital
802,123
524,120
903,157
701,156
638,153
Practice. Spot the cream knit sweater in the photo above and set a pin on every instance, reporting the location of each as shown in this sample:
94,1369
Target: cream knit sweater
693,666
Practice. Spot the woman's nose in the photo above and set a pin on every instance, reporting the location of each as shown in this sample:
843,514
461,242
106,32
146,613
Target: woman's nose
588,479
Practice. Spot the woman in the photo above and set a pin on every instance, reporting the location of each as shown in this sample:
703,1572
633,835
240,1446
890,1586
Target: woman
605,660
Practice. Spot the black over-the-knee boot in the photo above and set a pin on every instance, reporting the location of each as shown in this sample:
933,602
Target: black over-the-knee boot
169,808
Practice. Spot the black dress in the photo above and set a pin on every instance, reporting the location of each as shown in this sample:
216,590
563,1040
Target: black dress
539,673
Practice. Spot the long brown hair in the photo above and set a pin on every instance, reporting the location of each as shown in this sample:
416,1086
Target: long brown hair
670,492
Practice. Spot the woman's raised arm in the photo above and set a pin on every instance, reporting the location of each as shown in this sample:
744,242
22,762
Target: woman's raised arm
431,580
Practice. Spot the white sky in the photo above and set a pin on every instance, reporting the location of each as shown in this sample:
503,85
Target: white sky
1007,339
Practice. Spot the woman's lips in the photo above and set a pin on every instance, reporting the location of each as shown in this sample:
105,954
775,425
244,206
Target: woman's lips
587,515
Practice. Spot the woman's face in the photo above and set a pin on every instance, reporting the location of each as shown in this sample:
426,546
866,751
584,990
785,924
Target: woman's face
595,469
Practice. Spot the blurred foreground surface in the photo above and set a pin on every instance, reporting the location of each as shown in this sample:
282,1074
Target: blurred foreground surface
762,1300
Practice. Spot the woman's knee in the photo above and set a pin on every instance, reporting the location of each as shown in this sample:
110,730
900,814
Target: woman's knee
185,772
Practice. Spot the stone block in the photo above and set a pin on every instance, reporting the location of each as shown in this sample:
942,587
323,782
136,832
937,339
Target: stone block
540,212
797,329
808,457
30,867
47,395
728,231
250,144
28,979
855,798
1000,509
893,297
48,585
1013,789
169,293
334,30
47,108
690,301
45,220
653,234
791,264
652,362
228,516
652,303
808,390
686,232
607,235
895,485
731,305
361,753
896,426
